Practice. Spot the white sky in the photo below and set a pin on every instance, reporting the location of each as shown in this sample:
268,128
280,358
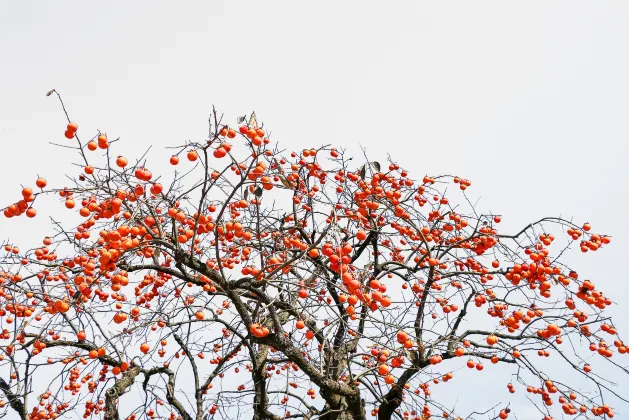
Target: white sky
529,100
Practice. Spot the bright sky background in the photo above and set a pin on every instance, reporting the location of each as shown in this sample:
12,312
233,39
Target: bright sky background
528,100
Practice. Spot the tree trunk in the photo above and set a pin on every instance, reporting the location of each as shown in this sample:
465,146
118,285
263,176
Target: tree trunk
116,391
343,408
392,400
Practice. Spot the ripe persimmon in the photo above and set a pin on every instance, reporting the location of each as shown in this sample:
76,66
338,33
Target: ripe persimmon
41,182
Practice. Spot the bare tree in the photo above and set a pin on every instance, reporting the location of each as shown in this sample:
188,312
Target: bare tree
268,284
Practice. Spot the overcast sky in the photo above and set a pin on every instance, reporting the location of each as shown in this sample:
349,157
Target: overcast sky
528,100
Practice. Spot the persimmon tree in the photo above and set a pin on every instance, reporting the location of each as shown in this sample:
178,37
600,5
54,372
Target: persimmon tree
249,281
